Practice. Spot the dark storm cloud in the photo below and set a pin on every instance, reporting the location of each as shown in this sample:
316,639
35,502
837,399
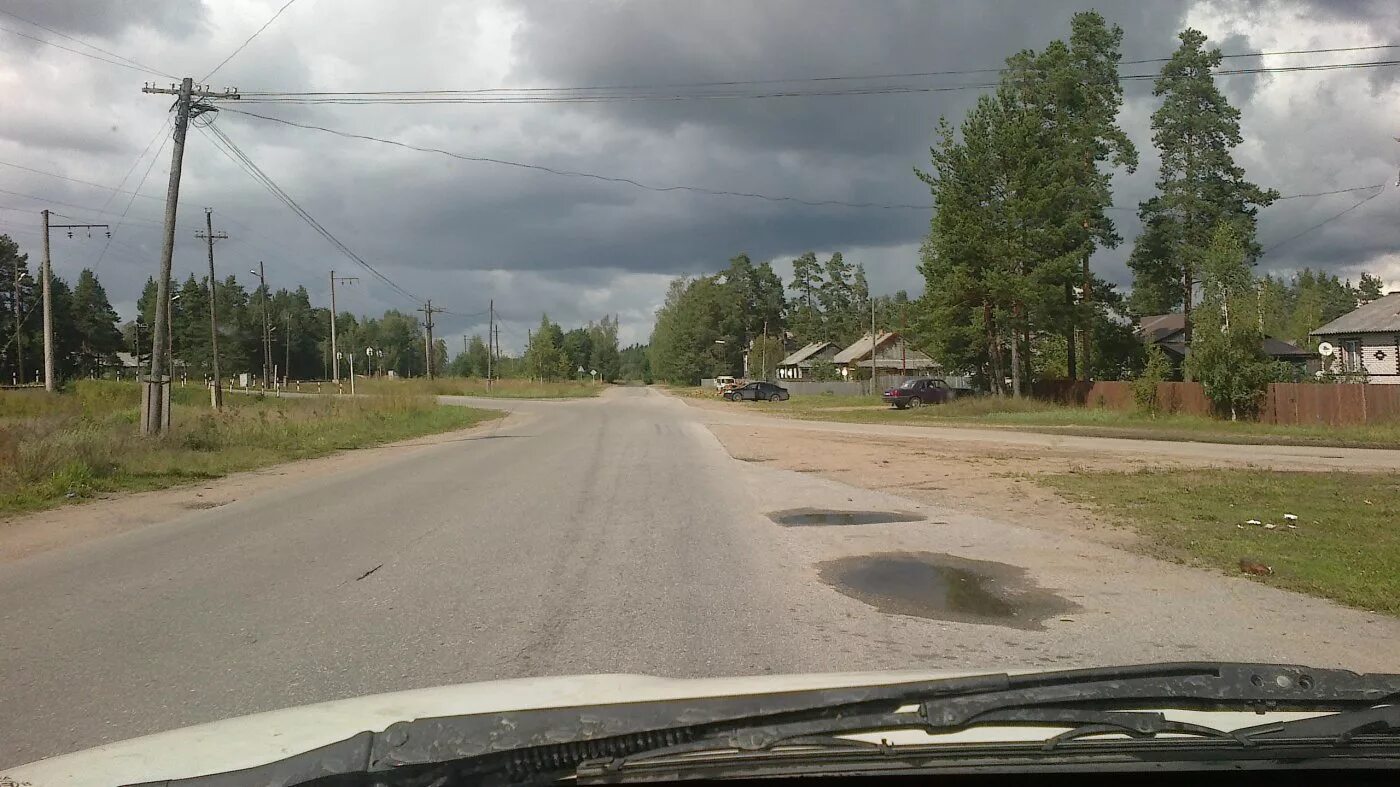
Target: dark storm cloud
111,17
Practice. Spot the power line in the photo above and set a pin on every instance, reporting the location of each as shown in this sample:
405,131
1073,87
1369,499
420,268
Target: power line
249,41
137,192
229,148
86,43
1324,222
588,175
85,182
822,79
141,69
648,187
503,96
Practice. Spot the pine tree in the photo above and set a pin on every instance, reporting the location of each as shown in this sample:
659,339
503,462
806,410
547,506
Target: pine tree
1199,185
20,318
96,322
806,313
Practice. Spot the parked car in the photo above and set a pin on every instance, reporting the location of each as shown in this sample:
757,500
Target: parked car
918,392
757,391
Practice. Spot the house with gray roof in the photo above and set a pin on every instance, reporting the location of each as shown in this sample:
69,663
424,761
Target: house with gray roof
892,356
1366,340
798,365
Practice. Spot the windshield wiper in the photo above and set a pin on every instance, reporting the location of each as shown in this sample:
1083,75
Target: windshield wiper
549,744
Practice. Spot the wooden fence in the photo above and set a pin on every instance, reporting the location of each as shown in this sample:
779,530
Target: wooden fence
1328,404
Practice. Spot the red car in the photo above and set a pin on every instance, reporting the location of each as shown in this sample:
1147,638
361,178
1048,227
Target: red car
917,393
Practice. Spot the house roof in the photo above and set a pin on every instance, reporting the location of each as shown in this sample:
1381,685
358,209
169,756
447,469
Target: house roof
803,354
1379,316
1156,327
1274,348
860,349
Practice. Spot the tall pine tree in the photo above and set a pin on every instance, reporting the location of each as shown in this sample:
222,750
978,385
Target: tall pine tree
1200,188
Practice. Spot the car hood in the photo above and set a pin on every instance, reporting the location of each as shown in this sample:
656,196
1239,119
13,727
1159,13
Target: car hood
260,738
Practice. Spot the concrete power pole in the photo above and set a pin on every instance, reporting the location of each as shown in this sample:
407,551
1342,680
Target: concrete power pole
155,412
428,312
335,357
261,273
872,343
490,342
217,394
19,328
50,381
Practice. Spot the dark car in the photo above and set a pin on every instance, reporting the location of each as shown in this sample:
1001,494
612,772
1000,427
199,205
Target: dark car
757,391
918,392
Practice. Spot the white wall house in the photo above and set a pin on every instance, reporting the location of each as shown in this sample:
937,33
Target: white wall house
1367,339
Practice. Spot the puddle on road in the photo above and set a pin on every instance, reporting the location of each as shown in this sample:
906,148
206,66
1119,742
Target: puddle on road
944,587
819,517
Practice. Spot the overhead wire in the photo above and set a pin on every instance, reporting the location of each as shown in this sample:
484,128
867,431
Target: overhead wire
119,63
137,192
1325,221
862,77
241,159
602,95
650,187
249,40
88,44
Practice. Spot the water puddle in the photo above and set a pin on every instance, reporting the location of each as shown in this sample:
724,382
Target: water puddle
819,517
944,587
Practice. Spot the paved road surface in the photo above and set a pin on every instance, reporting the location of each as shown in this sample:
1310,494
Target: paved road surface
609,535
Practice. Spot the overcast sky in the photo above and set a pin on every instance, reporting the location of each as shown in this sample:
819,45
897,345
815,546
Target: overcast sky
462,232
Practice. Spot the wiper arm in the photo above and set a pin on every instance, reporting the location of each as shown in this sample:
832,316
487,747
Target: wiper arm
1341,728
539,745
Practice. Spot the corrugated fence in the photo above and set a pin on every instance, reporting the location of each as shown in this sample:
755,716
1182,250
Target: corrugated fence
1331,404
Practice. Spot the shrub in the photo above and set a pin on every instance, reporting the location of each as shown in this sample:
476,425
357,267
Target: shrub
1154,371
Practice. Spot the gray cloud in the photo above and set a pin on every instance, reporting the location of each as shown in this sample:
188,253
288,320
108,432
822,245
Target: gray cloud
463,233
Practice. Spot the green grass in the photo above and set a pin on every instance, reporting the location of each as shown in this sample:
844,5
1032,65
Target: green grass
1037,416
84,442
1346,546
475,386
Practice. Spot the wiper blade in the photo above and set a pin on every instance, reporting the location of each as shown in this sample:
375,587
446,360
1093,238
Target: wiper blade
1341,728
547,744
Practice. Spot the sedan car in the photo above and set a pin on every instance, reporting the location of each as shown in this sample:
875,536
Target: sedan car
917,393
757,391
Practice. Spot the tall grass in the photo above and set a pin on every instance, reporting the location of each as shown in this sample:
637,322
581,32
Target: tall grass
83,442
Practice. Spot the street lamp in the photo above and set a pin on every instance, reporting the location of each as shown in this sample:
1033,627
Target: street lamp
267,334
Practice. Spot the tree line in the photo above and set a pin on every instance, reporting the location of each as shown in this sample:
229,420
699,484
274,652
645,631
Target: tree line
1022,189
88,333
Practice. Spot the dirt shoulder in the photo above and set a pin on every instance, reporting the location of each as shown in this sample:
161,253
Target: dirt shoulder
994,483
23,535
984,439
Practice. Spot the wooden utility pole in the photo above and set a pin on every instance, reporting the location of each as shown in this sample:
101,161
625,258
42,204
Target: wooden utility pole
428,312
287,352
490,342
261,273
335,356
217,394
155,413
50,381
872,343
48,311
19,328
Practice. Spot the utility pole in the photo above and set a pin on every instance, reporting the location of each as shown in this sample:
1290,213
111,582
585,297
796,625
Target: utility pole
217,393
287,352
335,357
47,275
872,343
19,326
763,352
155,414
261,273
490,342
428,312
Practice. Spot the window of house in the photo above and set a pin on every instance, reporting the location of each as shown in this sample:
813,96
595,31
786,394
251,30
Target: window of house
1351,355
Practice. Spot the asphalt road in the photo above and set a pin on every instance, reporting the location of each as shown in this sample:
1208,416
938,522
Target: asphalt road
599,536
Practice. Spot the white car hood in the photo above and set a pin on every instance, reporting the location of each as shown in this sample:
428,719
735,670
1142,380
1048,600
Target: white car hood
246,741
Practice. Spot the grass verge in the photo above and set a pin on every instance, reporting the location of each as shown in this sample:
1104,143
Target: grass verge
1036,416
475,386
1345,547
66,447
